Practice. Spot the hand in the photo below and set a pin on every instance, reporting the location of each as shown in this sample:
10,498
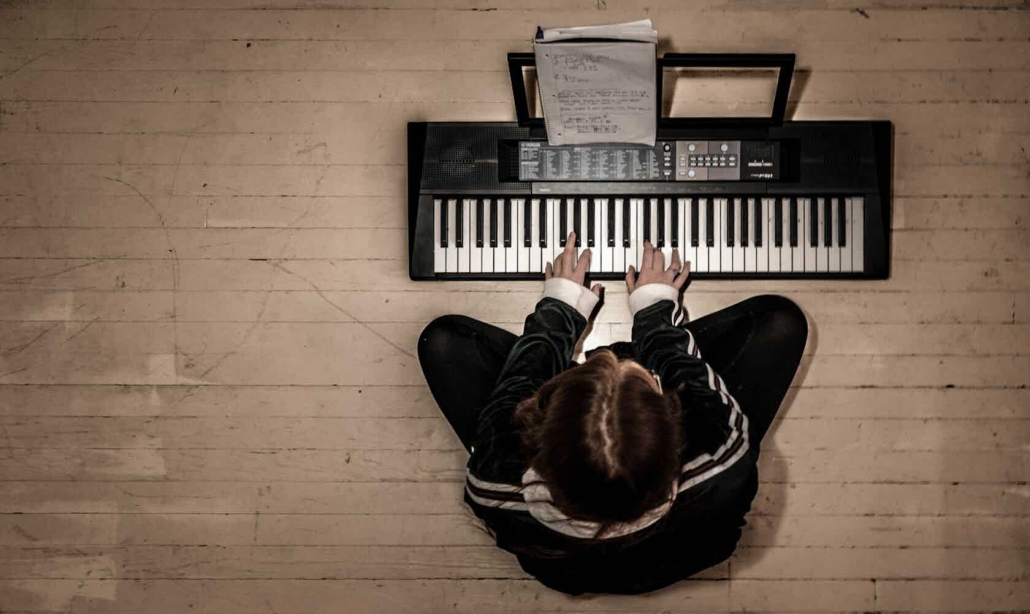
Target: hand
567,267
653,271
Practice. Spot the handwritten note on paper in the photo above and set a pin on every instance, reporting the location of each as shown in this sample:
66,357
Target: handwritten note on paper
597,92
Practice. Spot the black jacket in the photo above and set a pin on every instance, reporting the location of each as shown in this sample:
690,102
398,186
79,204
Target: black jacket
718,482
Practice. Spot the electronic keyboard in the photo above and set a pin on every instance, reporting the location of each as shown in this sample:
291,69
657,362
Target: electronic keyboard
739,198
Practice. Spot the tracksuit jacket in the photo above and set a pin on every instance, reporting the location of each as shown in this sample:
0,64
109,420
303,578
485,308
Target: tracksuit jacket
700,525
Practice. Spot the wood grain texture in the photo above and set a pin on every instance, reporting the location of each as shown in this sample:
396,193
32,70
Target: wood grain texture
209,396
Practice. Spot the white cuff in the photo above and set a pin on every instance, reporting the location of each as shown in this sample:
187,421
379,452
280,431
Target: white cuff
649,294
577,296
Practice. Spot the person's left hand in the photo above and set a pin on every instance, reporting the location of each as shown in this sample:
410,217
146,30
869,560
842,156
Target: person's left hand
567,266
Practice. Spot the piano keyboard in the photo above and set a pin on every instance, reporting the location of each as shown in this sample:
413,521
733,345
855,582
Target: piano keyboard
744,234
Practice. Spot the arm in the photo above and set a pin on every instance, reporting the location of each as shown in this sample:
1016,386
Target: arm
544,350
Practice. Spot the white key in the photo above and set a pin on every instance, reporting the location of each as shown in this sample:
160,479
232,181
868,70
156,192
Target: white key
786,254
845,250
688,253
535,251
475,247
723,257
490,254
738,251
762,252
553,230
652,229
798,252
583,231
635,253
619,252
702,236
751,252
439,253
858,234
516,257
452,235
821,252
570,224
466,236
600,207
806,239
667,205
834,249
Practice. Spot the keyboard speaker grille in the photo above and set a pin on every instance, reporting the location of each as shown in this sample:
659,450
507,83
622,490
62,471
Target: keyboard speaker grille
464,157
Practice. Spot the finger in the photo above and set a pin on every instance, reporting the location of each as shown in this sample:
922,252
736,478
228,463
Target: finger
681,279
547,271
556,267
659,261
676,265
569,253
583,265
597,289
648,260
631,279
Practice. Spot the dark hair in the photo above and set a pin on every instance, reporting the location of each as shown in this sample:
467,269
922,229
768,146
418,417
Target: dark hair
604,440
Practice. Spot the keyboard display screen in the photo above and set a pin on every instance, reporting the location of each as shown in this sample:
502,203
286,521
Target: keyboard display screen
541,162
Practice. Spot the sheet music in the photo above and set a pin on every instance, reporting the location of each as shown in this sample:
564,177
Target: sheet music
598,91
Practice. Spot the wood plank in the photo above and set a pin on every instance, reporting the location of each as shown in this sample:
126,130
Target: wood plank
779,563
159,432
415,401
507,24
300,596
933,595
778,465
850,88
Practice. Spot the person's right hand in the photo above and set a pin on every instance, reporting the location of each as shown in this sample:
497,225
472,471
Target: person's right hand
653,271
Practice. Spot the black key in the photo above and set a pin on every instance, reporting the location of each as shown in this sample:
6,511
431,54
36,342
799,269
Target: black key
793,222
661,222
459,221
828,222
543,223
813,220
443,222
493,222
563,223
527,223
508,204
577,220
710,224
625,222
647,220
479,222
731,217
778,223
591,221
759,222
842,240
611,222
675,223
744,223
694,221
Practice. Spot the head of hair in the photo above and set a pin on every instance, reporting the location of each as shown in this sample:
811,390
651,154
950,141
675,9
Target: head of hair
604,439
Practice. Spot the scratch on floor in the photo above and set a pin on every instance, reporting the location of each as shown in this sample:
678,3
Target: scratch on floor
341,309
27,345
83,329
16,280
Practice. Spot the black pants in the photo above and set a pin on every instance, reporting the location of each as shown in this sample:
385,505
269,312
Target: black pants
755,345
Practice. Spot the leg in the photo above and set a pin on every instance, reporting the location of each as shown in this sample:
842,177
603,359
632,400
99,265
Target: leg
461,359
756,346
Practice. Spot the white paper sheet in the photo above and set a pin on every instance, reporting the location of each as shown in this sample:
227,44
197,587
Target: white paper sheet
598,91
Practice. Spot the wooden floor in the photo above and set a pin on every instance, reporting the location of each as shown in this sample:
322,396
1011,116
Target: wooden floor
209,397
